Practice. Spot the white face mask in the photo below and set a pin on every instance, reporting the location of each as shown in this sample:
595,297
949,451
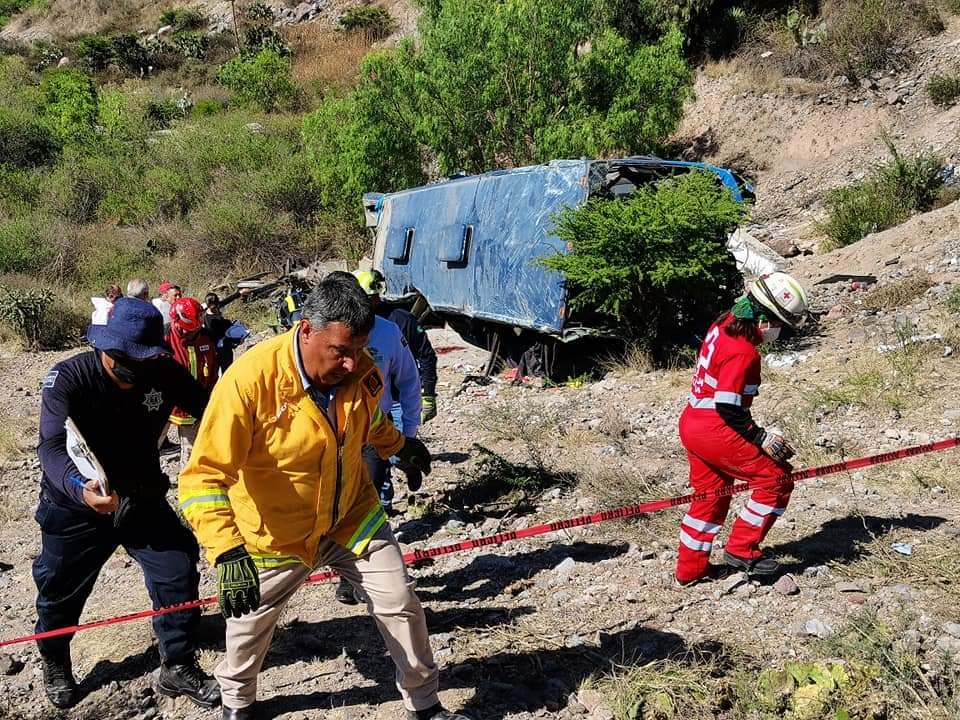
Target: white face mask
769,334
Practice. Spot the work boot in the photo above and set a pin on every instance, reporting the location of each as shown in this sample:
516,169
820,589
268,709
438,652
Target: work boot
189,679
758,566
58,682
244,713
713,572
437,712
345,593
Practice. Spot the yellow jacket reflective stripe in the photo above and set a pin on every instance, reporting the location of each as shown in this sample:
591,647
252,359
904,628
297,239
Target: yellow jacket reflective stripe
368,528
266,446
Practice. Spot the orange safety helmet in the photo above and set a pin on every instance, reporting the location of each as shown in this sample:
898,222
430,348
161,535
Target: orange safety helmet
186,315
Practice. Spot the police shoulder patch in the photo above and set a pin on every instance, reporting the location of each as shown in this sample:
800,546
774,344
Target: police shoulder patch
50,379
372,382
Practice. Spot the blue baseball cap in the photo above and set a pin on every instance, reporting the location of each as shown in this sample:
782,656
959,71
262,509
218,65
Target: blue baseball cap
134,328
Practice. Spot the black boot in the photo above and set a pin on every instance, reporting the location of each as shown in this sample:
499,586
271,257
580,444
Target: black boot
58,682
244,713
345,594
437,712
190,681
759,566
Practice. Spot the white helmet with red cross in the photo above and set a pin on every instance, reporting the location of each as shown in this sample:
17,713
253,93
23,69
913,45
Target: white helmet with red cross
782,295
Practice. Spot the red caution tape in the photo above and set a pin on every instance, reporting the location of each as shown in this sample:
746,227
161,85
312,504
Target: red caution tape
500,538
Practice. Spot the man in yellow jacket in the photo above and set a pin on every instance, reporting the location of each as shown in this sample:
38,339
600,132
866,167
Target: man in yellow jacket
276,487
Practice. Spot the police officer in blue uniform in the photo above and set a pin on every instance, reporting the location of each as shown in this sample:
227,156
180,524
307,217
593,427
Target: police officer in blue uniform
119,396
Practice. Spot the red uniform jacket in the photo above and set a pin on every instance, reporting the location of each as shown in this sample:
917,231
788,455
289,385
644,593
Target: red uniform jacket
199,356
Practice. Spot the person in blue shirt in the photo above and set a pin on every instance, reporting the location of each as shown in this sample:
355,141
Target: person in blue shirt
119,396
401,379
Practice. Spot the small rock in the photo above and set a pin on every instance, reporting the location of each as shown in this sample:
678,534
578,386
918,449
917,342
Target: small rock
590,699
952,629
815,571
818,628
786,585
849,587
575,708
648,555
565,567
949,645
10,665
573,641
857,598
731,583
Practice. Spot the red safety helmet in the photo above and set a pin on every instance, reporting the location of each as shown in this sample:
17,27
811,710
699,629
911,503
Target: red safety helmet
186,314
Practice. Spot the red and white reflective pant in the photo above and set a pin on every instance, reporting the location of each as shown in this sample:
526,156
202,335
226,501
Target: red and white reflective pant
718,457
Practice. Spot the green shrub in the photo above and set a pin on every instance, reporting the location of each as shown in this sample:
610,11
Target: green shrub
944,89
95,52
662,249
261,80
191,44
236,233
9,8
19,190
183,18
69,104
371,19
353,146
24,246
890,194
863,37
24,311
258,12
24,140
44,54
161,112
258,37
106,259
122,117
287,186
953,299
79,184
131,55
953,6
205,107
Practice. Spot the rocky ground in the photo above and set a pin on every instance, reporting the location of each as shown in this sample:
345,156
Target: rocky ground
519,629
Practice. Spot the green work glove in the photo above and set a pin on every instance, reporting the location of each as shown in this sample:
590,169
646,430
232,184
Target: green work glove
238,583
415,453
429,403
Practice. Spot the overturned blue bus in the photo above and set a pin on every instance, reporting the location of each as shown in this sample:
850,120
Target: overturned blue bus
467,248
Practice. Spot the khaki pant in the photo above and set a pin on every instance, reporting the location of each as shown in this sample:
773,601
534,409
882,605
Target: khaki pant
390,599
188,436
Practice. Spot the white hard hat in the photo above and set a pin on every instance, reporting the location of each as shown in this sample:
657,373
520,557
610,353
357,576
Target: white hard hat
782,295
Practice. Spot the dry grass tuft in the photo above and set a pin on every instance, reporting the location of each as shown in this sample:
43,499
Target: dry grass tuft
899,293
325,58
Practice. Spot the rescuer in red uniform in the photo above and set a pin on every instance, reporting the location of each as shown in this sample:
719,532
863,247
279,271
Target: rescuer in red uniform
722,441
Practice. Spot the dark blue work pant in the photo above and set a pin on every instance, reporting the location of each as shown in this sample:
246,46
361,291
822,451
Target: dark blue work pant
75,544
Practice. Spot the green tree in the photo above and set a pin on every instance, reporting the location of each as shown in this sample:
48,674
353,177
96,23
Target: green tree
364,141
523,81
69,104
655,262
261,80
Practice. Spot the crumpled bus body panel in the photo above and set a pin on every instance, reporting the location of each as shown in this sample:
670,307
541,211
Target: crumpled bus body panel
471,245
